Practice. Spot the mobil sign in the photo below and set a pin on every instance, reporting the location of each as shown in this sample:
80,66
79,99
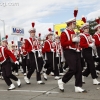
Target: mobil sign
17,31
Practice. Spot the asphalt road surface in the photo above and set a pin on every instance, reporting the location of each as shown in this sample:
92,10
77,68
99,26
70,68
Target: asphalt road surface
49,91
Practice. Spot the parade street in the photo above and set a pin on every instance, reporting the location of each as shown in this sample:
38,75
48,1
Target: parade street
50,50
49,91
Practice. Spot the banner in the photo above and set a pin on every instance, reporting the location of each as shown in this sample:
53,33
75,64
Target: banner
62,26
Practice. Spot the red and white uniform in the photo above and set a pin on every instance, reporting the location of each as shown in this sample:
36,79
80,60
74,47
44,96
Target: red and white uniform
59,51
31,44
16,53
58,47
96,36
40,46
22,51
49,45
66,39
85,40
5,53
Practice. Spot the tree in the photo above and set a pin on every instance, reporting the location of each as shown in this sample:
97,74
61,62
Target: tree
91,27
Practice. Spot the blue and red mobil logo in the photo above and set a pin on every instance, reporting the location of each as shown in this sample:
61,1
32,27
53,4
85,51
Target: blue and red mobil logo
18,30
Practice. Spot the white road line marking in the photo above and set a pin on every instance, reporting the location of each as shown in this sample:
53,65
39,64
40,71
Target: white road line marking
30,91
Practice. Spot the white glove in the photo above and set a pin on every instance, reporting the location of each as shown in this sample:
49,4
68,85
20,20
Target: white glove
76,39
28,56
21,52
52,50
23,57
33,50
20,59
91,45
57,51
40,50
93,40
16,62
97,56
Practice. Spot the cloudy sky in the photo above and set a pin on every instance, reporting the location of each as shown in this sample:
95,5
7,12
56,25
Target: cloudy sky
45,13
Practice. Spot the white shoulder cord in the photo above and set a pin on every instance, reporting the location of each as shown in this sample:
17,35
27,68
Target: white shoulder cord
49,44
30,42
67,34
97,36
85,37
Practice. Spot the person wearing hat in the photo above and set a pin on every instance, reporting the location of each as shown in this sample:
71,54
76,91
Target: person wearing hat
5,62
68,42
3,39
40,45
87,43
59,54
32,47
96,36
16,53
50,53
23,56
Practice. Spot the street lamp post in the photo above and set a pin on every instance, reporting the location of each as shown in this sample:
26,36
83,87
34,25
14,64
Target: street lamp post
3,26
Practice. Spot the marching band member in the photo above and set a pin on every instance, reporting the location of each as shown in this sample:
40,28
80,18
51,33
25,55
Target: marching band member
69,43
32,47
6,37
96,36
16,54
23,56
87,43
5,62
45,66
19,57
59,53
50,52
41,54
